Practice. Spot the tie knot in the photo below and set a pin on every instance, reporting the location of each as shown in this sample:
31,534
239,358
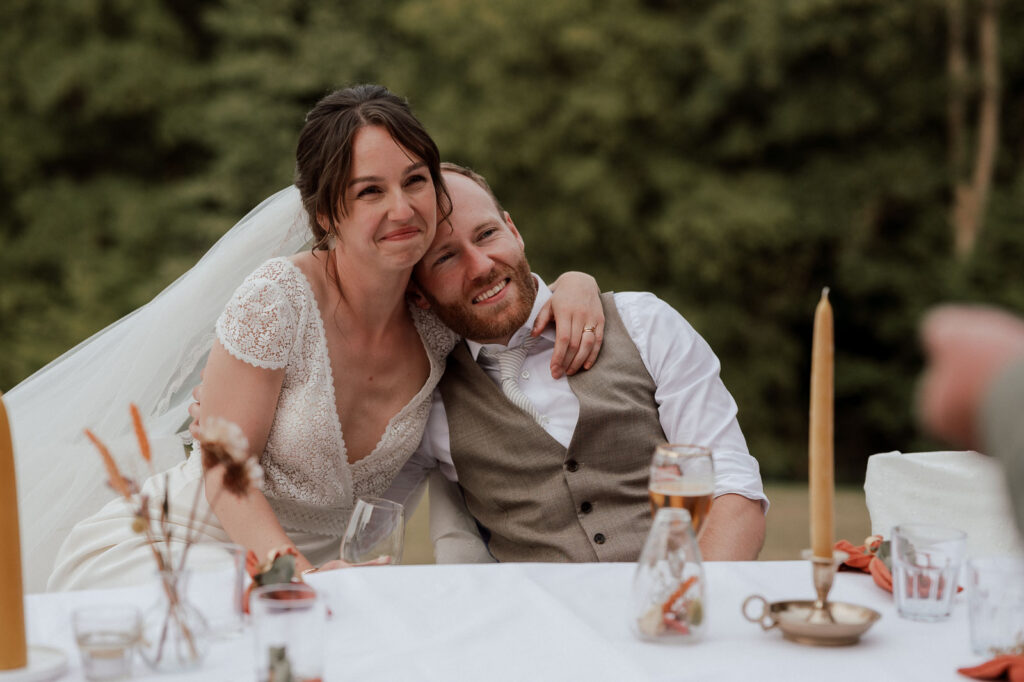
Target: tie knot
510,360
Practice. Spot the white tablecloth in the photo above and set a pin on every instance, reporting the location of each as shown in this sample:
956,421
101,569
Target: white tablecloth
561,622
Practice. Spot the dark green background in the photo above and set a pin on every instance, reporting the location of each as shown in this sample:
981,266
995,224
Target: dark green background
733,157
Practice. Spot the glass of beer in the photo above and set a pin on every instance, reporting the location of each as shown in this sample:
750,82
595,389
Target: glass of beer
683,476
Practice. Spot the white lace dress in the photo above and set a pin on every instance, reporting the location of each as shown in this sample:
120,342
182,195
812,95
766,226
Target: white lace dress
272,322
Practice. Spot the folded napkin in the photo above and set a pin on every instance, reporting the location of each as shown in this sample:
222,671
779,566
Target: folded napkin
1007,667
866,558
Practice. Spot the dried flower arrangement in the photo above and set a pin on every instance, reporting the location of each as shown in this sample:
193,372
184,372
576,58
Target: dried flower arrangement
223,445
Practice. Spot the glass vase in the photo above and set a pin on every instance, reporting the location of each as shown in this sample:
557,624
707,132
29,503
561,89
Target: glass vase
668,588
174,632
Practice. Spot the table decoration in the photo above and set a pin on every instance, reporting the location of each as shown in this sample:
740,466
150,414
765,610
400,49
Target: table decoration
821,436
818,622
668,587
872,557
1005,667
174,631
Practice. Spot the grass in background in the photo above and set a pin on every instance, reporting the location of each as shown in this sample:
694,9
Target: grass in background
788,523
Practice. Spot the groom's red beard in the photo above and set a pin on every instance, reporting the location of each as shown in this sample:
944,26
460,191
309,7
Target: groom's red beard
482,323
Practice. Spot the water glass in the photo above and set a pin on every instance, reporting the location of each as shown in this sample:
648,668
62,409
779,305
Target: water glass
926,563
995,594
106,637
668,588
289,623
375,532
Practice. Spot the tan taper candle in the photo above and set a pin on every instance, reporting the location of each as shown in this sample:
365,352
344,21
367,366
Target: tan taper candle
821,431
13,652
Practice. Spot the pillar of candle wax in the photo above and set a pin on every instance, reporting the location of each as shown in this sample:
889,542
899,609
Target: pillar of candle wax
13,651
821,431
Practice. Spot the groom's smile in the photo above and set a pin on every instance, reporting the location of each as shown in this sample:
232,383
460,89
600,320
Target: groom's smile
475,275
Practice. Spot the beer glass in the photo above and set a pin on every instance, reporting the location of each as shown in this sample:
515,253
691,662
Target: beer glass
682,476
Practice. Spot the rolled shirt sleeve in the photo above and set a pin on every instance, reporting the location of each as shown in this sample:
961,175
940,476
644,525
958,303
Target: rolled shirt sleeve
694,405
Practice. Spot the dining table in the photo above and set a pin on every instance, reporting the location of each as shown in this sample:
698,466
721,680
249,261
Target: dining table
532,621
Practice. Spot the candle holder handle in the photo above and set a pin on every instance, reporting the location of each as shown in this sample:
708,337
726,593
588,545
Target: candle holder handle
823,570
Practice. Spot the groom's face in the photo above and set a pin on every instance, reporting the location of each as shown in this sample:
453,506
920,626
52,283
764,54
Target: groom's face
475,275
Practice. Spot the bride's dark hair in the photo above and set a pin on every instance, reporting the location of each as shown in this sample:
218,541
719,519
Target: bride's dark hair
324,153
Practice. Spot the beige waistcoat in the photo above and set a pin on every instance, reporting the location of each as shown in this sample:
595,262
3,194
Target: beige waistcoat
539,500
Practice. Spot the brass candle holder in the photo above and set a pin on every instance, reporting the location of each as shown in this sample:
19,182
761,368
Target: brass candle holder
819,622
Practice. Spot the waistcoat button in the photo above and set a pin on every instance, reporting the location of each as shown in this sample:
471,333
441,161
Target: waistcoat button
572,465
599,538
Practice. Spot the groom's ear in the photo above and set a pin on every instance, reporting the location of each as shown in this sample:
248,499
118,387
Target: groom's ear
414,294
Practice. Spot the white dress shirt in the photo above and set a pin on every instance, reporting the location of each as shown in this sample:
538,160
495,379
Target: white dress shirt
693,404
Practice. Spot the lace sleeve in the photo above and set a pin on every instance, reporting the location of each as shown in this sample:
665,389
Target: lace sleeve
258,326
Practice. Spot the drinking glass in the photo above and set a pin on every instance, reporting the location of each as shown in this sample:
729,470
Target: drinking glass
683,476
668,588
375,532
926,564
106,637
289,622
995,594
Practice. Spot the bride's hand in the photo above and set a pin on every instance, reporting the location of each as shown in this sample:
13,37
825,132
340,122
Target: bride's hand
575,307
194,410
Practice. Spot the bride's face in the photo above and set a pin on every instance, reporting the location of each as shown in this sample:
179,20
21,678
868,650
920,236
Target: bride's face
391,204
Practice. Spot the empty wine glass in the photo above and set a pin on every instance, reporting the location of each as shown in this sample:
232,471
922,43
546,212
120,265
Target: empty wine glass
375,532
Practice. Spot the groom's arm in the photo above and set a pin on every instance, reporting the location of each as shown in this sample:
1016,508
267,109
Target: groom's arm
453,529
694,406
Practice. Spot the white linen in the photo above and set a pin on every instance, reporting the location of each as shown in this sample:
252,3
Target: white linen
964,490
560,622
693,404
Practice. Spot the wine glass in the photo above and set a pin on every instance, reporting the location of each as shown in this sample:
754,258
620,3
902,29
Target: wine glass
375,532
683,476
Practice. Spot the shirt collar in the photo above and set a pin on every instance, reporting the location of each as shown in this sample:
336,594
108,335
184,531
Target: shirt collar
521,334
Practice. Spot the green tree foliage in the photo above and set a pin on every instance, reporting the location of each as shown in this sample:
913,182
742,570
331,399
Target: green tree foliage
732,157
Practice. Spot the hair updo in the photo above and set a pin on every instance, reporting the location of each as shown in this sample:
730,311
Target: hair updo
323,156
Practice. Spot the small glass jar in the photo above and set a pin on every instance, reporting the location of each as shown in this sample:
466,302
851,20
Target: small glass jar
668,588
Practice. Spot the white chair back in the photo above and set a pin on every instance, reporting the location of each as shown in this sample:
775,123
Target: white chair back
964,490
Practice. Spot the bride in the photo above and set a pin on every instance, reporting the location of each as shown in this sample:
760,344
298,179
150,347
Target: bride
317,356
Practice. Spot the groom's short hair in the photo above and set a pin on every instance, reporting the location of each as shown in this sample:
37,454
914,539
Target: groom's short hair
449,167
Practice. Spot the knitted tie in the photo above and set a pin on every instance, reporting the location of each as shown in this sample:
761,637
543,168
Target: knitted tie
510,361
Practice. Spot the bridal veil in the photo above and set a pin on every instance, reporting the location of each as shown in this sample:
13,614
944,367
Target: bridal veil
151,357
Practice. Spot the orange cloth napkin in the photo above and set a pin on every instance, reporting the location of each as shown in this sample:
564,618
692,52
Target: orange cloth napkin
1007,667
865,558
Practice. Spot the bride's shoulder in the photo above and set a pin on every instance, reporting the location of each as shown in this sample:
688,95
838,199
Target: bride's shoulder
278,279
438,337
282,272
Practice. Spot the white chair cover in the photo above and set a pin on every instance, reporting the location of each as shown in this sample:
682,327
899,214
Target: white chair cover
964,490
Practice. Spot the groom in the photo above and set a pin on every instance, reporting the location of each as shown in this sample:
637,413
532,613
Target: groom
556,469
